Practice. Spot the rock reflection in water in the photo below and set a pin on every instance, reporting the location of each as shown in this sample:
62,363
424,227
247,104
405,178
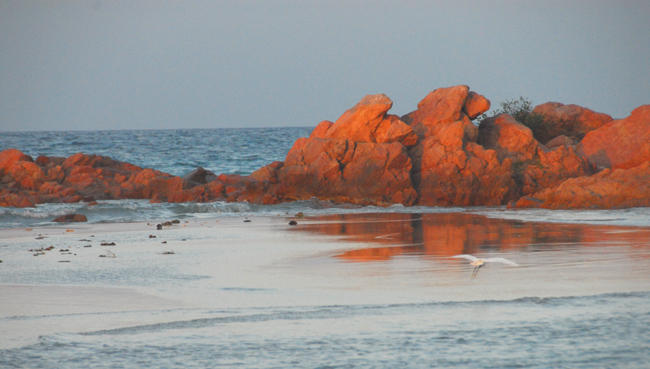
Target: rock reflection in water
446,234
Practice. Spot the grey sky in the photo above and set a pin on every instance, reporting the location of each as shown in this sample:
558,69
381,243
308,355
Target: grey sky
193,64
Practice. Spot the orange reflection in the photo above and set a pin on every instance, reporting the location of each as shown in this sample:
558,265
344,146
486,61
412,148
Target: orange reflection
447,234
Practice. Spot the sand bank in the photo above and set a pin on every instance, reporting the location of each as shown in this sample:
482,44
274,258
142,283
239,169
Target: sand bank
152,276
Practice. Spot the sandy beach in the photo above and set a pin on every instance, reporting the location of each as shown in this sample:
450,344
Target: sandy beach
214,267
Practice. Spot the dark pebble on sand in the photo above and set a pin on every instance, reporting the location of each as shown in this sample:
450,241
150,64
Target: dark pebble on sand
293,222
152,236
40,237
64,261
158,226
247,220
164,242
107,244
168,253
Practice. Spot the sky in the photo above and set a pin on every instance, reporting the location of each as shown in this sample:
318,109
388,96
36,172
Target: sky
100,64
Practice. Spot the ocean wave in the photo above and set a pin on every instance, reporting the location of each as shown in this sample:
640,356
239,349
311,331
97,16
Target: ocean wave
338,311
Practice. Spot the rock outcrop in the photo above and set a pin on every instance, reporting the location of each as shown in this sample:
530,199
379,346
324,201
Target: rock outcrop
608,189
623,143
569,120
432,156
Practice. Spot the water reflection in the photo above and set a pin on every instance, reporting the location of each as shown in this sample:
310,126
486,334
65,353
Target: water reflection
446,234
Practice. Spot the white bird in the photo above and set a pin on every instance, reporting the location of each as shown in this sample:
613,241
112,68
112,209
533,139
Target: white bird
478,263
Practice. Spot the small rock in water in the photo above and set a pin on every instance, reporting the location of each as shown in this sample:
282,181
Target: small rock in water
40,237
49,248
168,253
247,220
176,221
88,246
107,244
293,223
164,242
152,236
158,226
84,240
64,250
68,218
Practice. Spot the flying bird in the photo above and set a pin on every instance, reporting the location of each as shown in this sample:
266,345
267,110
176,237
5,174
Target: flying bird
478,263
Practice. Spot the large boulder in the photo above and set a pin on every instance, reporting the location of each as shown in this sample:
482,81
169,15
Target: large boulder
508,137
623,143
570,120
346,171
534,166
449,168
368,121
608,189
475,105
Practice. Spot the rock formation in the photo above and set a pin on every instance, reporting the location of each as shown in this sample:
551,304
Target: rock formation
433,156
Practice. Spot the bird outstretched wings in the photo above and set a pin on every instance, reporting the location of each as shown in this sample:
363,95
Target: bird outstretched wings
465,256
473,258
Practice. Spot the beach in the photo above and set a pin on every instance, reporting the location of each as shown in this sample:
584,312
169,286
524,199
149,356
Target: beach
335,289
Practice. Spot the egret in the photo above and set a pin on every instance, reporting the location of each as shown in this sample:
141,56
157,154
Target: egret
477,263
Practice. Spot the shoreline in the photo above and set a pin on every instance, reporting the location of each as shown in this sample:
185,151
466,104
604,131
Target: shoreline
229,266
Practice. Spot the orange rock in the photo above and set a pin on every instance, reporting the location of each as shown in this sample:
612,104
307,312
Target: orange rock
508,137
442,105
560,140
11,156
623,143
475,105
321,129
27,174
569,120
346,171
268,173
367,121
608,189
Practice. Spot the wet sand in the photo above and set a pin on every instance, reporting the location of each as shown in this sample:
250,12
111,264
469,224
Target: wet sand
353,259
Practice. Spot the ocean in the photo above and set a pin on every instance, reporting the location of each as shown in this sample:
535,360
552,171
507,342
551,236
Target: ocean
348,287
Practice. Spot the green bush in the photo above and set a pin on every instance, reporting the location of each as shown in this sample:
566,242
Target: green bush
522,110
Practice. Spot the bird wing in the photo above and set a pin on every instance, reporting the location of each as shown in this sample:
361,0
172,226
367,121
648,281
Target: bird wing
500,260
465,256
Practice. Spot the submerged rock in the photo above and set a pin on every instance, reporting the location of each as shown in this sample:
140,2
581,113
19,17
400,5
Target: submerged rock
69,218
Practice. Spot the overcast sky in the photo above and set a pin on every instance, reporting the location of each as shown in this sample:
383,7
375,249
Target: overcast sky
103,64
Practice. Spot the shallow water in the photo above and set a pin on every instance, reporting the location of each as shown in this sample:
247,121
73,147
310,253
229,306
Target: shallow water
337,290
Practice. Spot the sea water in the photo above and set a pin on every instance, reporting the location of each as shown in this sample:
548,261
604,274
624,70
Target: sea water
348,287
